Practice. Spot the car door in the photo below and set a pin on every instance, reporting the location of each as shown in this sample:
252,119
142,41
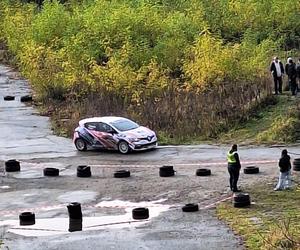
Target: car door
105,134
91,127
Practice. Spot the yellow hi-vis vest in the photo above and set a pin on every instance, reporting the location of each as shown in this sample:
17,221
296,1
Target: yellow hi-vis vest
230,157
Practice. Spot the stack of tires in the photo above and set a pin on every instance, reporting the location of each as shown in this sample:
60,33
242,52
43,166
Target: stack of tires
84,171
296,164
51,172
27,219
12,166
75,217
166,171
140,213
241,200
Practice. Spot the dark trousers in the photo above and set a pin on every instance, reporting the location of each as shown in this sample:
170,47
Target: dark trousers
293,85
277,84
234,173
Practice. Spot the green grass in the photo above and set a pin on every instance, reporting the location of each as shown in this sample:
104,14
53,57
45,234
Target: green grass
272,221
274,122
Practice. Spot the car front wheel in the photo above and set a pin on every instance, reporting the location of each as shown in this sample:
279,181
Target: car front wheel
123,147
80,144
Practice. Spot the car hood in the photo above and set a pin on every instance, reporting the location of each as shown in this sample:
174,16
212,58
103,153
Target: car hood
140,132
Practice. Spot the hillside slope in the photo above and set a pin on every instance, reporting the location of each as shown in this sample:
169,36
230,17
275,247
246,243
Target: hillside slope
276,122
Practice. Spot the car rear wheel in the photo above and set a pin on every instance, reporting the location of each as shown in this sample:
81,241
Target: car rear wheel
123,147
80,144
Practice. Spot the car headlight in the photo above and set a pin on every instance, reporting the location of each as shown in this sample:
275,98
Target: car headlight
134,139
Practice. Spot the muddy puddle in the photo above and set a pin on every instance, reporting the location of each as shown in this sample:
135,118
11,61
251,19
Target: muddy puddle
57,226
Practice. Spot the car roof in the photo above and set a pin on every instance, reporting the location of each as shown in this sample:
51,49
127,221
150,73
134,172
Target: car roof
106,119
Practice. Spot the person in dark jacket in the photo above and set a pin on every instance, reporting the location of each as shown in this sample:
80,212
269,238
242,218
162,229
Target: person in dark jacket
298,75
290,69
234,167
284,180
277,71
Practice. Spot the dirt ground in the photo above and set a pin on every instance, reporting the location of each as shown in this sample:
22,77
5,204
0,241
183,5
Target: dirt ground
48,197
143,185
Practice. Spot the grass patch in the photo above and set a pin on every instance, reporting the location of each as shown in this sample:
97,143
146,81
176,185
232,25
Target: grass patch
272,222
275,122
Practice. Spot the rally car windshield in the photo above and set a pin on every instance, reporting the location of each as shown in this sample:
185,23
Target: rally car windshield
124,125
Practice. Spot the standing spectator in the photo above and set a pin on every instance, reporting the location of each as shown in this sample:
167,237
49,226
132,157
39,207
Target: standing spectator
234,167
285,67
290,69
277,71
284,180
298,75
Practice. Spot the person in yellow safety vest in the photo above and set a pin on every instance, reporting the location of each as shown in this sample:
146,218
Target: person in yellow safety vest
234,167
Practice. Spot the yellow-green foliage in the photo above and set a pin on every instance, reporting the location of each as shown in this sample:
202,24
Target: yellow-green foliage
117,44
214,62
141,49
15,23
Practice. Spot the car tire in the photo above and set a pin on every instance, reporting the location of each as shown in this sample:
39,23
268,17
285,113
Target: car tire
203,172
251,170
51,172
26,98
27,219
191,207
74,210
84,171
12,166
80,144
122,174
140,213
75,225
241,197
9,98
123,147
240,204
166,171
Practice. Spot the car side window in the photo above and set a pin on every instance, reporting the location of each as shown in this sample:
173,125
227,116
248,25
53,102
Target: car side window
103,127
91,125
